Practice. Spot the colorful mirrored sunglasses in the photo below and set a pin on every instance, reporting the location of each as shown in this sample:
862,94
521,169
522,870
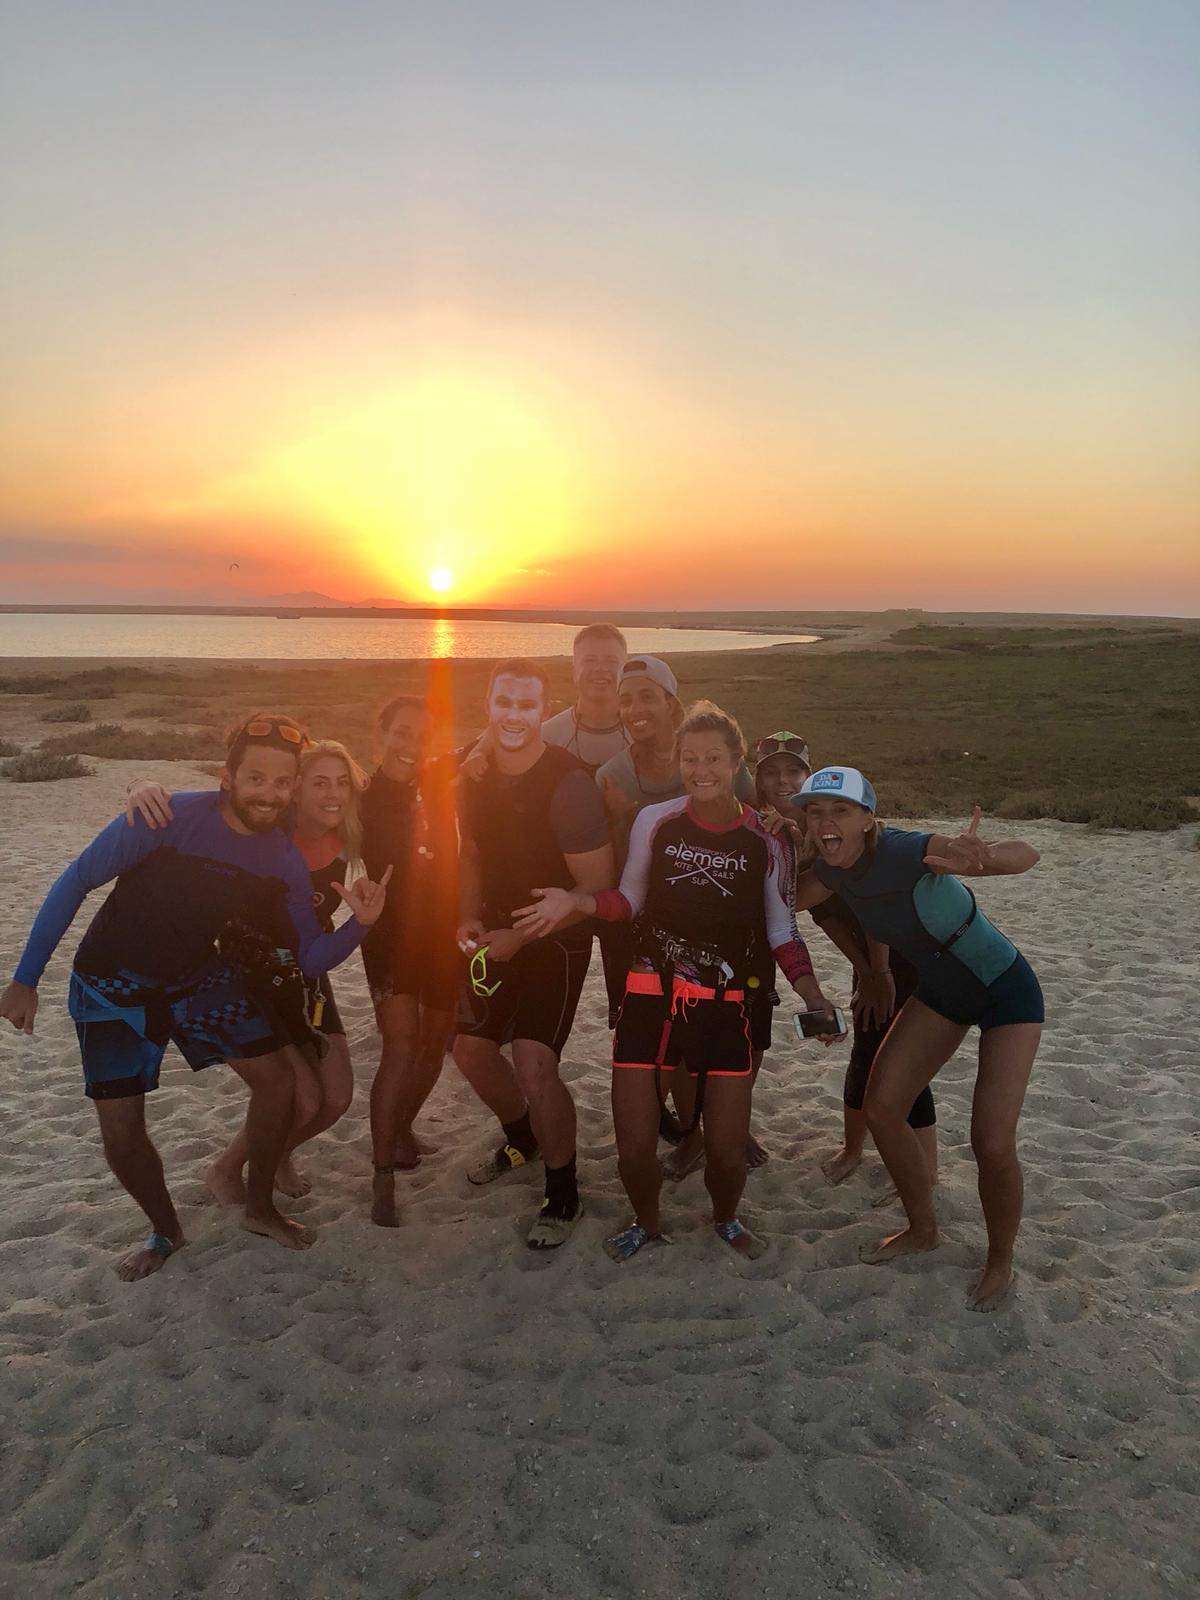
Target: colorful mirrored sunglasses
264,727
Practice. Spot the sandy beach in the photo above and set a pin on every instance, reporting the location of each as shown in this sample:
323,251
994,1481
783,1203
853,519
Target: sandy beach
437,1413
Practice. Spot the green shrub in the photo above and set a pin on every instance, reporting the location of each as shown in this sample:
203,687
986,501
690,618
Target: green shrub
111,740
44,766
75,712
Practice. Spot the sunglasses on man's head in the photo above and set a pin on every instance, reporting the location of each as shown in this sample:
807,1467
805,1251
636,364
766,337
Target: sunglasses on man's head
264,727
781,744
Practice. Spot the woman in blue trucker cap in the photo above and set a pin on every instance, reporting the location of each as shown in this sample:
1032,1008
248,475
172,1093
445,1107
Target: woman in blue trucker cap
904,888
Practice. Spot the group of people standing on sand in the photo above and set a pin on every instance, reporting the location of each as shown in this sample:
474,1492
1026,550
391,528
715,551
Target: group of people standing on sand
477,880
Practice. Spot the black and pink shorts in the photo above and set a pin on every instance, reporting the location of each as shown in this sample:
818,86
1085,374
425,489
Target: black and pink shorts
690,1026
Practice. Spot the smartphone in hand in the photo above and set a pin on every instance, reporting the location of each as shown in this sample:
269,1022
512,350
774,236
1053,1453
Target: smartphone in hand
815,1024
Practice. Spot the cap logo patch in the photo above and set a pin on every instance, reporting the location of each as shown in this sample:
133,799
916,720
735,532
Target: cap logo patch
827,780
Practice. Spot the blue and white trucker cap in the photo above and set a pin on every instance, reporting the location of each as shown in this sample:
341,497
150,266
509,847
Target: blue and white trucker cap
837,783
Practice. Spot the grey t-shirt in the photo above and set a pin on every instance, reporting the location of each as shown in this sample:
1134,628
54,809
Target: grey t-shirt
592,746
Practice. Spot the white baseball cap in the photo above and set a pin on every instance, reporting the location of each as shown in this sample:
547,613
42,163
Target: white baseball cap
651,667
837,783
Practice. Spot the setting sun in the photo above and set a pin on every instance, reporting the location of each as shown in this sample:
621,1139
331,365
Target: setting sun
441,579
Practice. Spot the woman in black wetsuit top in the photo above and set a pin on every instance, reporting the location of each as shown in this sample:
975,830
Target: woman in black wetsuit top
412,963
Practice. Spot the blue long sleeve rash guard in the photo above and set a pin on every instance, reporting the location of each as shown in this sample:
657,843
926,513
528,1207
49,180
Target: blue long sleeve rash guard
176,889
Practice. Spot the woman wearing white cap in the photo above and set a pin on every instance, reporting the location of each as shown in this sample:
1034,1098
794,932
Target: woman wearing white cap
899,885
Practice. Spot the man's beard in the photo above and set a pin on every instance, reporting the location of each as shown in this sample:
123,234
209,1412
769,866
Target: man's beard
257,821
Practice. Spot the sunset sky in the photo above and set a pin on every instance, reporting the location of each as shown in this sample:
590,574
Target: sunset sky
649,304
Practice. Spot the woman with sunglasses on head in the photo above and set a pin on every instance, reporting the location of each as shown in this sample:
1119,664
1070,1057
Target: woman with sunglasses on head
703,884
326,829
783,764
904,888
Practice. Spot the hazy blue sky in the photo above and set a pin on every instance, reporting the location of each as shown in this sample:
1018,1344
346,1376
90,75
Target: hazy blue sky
907,293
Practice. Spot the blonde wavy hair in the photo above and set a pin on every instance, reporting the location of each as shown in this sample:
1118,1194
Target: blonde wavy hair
350,830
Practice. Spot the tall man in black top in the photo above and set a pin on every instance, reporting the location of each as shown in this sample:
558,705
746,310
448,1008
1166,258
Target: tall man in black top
535,818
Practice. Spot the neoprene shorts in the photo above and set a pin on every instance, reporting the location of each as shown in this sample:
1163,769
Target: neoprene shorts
867,1040
429,970
689,1027
1015,996
537,998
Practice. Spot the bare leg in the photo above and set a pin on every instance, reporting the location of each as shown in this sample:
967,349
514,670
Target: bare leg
137,1167
688,1154
635,1120
334,1077
918,1045
726,1130
423,1070
551,1108
224,1175
399,1022
491,1077
849,1157
268,1123
1005,1062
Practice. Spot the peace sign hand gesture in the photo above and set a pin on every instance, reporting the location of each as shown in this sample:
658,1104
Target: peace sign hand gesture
967,855
366,899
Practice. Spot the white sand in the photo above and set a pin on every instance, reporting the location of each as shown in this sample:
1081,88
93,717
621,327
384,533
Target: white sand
435,1412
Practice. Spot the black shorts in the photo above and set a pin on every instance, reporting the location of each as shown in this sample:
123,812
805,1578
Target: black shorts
431,972
330,1022
689,1027
868,1039
537,997
761,1003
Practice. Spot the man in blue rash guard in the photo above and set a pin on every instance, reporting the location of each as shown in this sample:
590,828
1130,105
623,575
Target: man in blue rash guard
147,970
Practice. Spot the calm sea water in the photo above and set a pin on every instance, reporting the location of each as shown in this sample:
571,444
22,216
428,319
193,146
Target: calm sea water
335,638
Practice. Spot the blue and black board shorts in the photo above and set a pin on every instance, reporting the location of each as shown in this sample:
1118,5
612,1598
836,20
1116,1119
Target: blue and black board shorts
124,1023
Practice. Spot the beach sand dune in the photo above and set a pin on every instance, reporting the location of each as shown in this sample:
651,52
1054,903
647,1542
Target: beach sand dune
435,1412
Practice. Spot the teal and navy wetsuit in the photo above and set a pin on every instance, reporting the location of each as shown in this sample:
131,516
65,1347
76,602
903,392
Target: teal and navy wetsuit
966,969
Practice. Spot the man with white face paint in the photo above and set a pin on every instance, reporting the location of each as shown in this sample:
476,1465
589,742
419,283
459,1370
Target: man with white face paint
534,819
592,729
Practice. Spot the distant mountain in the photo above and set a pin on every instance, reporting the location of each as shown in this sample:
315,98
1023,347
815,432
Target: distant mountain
376,603
306,598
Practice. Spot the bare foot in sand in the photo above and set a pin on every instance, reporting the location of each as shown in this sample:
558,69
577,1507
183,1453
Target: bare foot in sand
274,1225
407,1154
756,1156
290,1181
841,1164
140,1263
227,1188
743,1241
895,1245
383,1201
687,1156
995,1284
